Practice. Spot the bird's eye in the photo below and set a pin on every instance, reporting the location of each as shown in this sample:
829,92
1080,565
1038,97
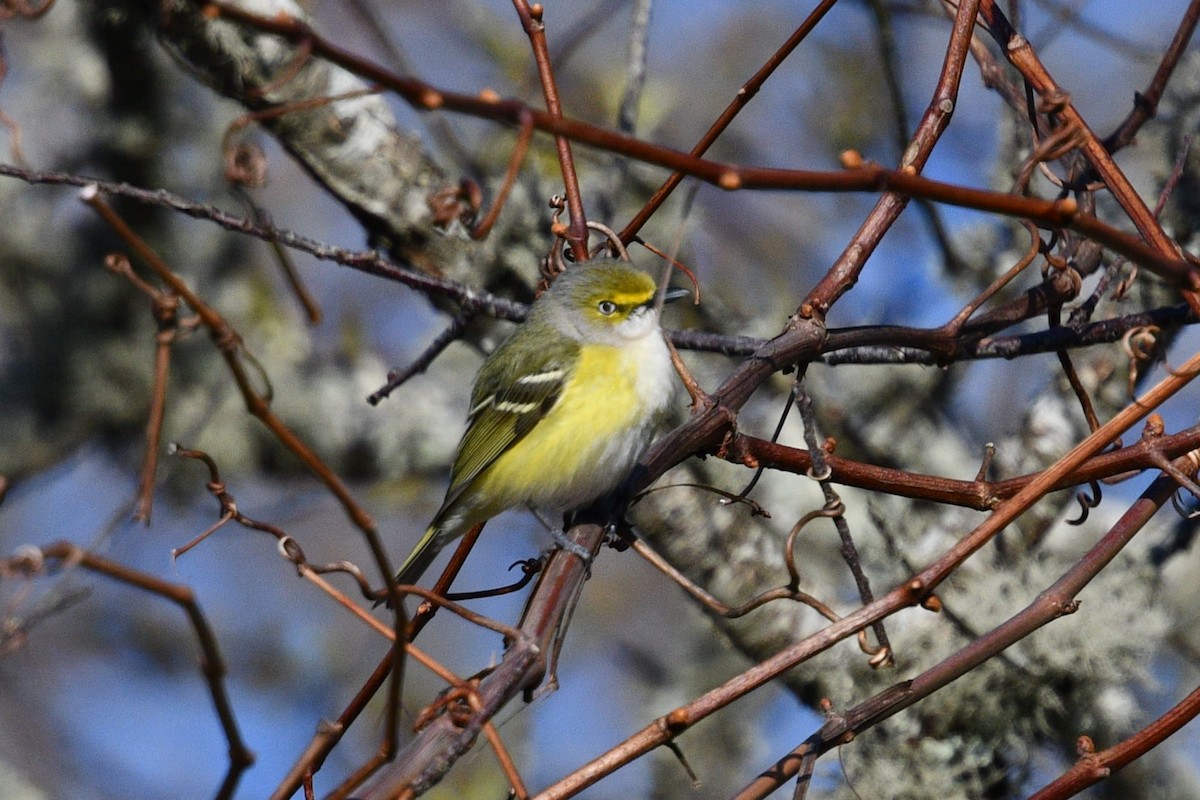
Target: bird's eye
607,307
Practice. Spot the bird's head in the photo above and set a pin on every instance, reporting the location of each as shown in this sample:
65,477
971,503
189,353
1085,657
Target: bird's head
604,300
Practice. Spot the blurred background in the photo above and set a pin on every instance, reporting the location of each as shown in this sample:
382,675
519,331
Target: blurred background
100,691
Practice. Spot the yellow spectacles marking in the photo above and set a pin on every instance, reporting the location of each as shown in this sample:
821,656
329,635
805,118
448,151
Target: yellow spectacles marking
631,298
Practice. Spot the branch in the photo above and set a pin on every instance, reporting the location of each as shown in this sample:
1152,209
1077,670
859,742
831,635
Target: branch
351,146
860,178
1094,767
1021,55
1056,601
977,494
1145,104
211,664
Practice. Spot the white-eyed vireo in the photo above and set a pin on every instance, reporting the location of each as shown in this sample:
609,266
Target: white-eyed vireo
563,408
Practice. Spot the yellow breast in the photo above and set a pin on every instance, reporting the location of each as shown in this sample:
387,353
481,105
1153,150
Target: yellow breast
594,434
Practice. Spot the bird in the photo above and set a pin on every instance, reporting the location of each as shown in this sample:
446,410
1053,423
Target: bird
563,408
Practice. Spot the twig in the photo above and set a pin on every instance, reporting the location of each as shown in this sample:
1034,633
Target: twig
535,29
743,96
427,757
229,345
706,428
715,606
370,262
165,307
903,182
890,57
1056,601
955,325
882,655
312,309
211,664
520,149
398,378
843,274
870,344
291,550
978,494
1022,56
1093,767
1145,104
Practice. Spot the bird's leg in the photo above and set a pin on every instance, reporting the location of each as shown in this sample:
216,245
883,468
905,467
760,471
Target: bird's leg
618,533
574,548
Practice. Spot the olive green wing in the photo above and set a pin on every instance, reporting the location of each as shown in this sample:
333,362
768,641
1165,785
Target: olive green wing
518,385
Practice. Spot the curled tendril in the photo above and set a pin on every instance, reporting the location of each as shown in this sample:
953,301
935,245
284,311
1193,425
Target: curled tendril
1140,345
727,498
880,656
614,243
1182,510
529,568
1087,503
825,474
555,262
831,510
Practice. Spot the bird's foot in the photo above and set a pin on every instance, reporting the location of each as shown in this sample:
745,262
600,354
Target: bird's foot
574,548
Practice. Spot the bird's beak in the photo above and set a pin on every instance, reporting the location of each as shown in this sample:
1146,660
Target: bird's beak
674,293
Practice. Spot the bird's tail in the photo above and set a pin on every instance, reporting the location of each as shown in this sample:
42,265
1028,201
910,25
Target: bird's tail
436,537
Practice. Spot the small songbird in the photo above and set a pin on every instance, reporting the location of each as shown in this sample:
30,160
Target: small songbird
563,408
